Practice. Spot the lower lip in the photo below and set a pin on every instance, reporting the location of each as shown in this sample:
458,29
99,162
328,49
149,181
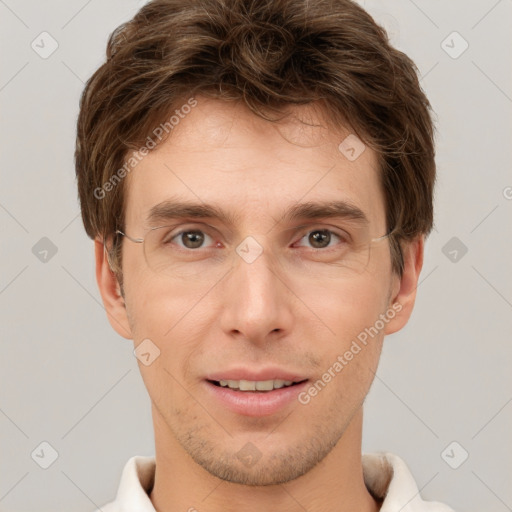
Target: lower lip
254,403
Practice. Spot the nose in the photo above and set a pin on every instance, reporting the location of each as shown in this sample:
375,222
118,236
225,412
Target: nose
257,300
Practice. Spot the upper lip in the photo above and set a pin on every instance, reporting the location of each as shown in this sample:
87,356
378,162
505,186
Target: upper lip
269,373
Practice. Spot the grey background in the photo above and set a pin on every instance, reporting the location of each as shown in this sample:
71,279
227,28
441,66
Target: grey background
68,379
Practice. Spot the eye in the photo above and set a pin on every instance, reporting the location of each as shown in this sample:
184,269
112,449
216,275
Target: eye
319,239
190,238
322,238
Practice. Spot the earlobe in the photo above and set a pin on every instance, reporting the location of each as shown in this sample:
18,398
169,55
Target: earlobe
403,299
110,292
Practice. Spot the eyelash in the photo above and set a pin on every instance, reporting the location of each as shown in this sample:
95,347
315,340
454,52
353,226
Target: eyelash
341,237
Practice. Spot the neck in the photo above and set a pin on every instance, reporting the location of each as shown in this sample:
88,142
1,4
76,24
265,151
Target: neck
335,484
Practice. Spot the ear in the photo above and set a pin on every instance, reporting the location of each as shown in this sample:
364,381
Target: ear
111,292
404,293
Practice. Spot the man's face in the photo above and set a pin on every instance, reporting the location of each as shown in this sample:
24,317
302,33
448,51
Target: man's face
290,308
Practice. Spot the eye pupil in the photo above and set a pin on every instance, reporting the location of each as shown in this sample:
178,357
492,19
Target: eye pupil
193,237
319,236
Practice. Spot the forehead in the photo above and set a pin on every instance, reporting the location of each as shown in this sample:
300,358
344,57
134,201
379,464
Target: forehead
253,171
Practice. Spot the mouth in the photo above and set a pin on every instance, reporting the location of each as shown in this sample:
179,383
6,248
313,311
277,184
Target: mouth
254,398
259,386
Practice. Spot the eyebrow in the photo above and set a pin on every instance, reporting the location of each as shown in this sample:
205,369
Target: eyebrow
176,209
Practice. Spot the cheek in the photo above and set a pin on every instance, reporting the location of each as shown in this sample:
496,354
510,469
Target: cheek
350,315
349,351
348,306
159,313
154,304
165,317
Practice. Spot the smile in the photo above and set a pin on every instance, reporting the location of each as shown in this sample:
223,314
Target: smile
255,385
249,399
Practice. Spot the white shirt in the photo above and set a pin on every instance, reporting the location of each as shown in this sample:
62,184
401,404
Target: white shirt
385,475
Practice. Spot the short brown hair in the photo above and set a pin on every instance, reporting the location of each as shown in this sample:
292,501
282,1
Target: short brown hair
269,54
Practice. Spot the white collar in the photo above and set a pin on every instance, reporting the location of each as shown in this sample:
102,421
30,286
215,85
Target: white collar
385,475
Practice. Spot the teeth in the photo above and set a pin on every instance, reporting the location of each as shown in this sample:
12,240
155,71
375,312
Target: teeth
255,385
245,385
280,383
262,385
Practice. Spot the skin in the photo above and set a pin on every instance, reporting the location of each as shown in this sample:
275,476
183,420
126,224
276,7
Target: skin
261,313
